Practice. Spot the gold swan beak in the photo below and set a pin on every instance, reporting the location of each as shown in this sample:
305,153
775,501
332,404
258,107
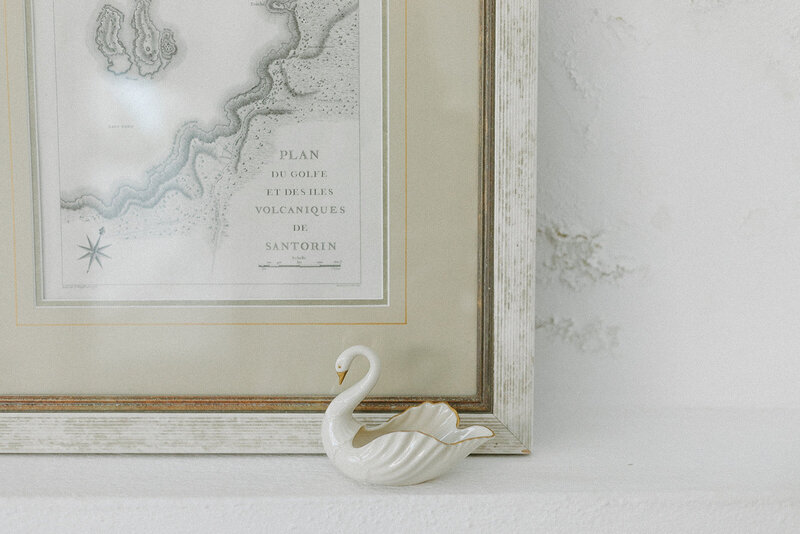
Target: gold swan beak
341,374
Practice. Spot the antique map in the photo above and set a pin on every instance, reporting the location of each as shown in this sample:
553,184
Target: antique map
210,151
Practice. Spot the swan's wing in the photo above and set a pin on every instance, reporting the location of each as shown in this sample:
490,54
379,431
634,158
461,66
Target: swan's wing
402,458
436,419
417,445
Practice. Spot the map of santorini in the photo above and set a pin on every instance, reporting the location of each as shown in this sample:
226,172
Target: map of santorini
210,151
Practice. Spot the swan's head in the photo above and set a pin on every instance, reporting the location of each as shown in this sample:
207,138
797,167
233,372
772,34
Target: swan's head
346,358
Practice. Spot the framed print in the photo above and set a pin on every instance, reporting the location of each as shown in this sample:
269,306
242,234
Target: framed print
206,201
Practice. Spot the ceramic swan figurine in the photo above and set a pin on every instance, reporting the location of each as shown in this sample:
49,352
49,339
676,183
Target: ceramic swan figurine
415,446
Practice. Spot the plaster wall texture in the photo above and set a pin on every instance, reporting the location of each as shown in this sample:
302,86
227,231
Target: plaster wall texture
669,204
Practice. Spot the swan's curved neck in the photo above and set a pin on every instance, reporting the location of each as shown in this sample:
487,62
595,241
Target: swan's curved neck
347,401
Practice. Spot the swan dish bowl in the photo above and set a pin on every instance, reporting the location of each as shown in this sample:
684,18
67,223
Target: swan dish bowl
412,447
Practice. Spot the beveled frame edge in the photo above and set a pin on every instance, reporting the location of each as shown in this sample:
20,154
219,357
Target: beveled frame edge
513,309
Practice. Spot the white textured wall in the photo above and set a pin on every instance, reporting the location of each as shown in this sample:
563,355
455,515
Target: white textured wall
669,202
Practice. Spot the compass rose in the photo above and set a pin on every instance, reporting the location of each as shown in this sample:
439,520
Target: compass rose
94,251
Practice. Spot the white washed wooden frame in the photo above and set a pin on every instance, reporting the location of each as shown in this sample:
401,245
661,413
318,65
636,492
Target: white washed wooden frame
299,433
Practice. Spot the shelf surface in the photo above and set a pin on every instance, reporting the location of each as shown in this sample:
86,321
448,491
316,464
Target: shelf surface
591,471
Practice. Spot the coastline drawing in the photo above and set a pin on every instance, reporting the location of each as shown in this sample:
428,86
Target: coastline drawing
313,75
109,24
152,49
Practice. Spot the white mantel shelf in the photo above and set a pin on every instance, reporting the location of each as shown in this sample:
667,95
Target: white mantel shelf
710,471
